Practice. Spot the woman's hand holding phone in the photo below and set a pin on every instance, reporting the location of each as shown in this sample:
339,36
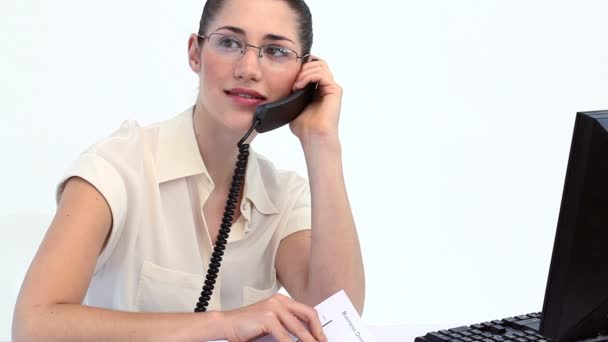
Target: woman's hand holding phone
276,316
320,118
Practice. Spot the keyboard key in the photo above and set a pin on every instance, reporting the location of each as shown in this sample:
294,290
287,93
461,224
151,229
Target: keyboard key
497,329
436,337
523,324
459,329
522,317
531,321
521,339
534,326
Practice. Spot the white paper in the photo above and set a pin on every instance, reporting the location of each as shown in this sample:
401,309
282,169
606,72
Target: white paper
340,320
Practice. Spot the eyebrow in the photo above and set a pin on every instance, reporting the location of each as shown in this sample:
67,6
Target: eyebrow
269,36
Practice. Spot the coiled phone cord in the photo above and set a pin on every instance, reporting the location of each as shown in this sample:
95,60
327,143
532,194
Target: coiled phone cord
222,236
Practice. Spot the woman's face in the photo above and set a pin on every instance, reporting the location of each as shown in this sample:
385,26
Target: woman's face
225,82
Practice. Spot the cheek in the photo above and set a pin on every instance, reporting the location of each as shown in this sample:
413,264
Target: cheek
213,71
214,75
282,84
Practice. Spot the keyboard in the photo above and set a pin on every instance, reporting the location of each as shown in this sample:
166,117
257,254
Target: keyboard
523,328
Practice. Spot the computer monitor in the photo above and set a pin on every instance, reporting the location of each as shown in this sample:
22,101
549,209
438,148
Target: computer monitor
576,297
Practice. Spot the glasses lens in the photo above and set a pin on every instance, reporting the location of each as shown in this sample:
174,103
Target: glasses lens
277,54
226,44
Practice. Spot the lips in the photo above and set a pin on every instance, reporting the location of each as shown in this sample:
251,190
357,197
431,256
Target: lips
245,97
245,93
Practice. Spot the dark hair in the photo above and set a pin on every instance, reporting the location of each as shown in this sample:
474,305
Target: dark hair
212,7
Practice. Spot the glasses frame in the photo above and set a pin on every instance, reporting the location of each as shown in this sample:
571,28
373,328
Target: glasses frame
260,55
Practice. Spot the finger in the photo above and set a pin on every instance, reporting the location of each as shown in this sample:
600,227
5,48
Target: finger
325,84
311,317
276,330
320,67
295,327
314,58
323,78
311,65
306,73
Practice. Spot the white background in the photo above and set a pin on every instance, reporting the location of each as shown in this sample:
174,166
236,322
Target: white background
456,125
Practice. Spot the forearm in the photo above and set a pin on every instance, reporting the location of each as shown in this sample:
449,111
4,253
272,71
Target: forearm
336,262
73,322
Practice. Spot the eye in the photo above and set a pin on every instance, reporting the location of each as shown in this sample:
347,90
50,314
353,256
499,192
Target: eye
276,51
228,42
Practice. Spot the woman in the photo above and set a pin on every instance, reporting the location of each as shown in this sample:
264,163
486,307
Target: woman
139,212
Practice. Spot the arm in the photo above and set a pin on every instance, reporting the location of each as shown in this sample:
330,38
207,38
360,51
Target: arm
336,262
313,265
49,304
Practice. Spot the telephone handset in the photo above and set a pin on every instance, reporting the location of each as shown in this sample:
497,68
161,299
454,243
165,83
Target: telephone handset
266,117
276,114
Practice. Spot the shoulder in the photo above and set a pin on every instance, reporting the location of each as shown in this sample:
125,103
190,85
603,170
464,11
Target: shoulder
126,139
125,157
279,183
126,143
290,194
133,146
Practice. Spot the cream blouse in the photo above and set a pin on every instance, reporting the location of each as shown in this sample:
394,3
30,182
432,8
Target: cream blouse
156,258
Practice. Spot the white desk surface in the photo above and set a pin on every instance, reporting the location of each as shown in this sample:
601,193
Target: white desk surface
405,332
401,333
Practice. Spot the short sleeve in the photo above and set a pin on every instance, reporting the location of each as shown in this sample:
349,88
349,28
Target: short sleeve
300,216
104,177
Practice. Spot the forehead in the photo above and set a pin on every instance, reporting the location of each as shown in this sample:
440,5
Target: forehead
258,18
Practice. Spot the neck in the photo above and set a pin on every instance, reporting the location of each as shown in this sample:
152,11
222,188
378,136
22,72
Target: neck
218,148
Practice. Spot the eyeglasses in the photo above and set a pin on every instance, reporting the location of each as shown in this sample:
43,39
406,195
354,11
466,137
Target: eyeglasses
273,55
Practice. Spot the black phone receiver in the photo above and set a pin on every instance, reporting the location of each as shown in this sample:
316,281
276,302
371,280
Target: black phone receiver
276,114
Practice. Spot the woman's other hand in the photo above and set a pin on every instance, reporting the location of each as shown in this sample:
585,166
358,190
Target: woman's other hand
277,316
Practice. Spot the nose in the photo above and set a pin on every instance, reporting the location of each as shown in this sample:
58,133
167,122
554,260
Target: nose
248,65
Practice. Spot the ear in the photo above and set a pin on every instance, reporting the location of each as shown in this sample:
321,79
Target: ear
194,53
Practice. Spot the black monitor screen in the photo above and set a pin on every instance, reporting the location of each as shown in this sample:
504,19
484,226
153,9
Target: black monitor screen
576,297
